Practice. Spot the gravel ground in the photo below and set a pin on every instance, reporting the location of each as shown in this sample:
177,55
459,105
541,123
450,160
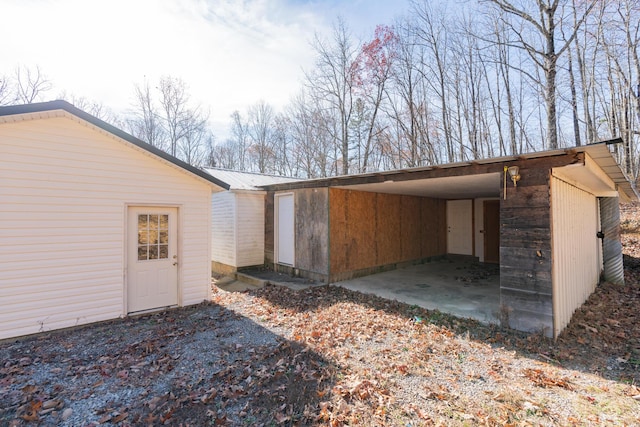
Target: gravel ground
191,366
322,356
329,356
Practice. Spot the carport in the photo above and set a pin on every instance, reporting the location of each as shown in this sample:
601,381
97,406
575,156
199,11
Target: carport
455,286
549,258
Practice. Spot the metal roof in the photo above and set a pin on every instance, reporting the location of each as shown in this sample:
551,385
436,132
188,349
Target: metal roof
600,153
246,180
59,108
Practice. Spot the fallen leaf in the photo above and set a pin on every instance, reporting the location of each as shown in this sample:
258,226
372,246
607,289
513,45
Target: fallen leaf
120,417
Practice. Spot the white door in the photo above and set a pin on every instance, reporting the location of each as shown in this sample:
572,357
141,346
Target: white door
152,258
285,231
459,227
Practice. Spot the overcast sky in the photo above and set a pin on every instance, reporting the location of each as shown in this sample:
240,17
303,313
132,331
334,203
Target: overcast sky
230,53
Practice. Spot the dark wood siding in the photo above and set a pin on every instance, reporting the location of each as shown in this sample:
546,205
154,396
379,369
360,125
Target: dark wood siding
525,249
312,230
269,238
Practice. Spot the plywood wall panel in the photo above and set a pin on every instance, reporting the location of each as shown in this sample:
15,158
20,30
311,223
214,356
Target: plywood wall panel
433,227
388,229
361,218
338,230
410,218
369,230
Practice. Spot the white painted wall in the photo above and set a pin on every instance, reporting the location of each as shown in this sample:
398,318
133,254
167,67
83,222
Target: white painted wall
285,228
64,189
576,249
460,227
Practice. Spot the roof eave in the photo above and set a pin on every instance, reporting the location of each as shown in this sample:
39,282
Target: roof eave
69,108
600,149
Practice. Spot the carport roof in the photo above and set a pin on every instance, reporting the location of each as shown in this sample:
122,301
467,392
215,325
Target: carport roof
476,178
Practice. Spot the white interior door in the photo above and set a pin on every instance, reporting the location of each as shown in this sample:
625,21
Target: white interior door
460,227
152,258
285,231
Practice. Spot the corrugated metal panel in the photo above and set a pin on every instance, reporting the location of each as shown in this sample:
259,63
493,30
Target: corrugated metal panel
223,228
576,260
247,180
611,245
250,229
64,189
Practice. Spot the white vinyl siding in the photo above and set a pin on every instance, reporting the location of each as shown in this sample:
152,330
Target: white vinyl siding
223,236
577,260
238,228
65,187
250,229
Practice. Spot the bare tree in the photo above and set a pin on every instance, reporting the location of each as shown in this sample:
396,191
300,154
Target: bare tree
260,125
432,33
408,142
6,97
172,124
542,19
223,155
174,101
196,135
240,132
332,84
209,160
146,122
374,65
284,162
311,137
30,84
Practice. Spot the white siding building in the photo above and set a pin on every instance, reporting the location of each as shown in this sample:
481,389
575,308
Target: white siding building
238,218
94,223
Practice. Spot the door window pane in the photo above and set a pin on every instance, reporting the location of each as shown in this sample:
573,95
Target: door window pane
153,252
153,237
163,252
142,253
153,222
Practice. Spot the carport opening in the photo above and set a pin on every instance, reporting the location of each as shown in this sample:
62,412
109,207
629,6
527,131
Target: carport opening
463,279
454,285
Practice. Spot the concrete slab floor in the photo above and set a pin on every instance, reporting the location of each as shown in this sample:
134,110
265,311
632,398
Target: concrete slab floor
462,288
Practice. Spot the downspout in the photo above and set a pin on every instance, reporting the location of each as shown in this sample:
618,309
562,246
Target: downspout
611,245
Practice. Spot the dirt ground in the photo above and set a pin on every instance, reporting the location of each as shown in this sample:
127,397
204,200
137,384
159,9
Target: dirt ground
329,356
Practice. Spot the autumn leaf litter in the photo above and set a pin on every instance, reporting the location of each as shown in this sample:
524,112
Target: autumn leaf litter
329,356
